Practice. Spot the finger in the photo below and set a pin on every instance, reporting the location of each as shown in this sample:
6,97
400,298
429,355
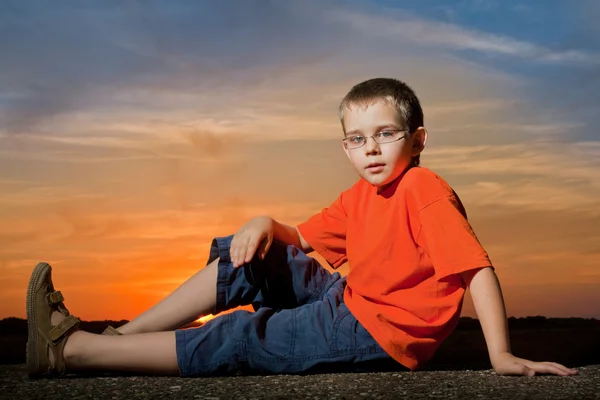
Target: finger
235,254
268,243
566,369
562,368
548,369
233,249
243,250
252,246
528,371
524,370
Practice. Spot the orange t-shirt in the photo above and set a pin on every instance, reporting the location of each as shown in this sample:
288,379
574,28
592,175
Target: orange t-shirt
405,247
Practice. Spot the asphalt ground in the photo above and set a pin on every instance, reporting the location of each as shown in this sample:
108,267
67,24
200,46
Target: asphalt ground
459,384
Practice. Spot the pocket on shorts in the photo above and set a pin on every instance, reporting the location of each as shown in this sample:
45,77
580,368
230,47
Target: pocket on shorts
271,335
343,339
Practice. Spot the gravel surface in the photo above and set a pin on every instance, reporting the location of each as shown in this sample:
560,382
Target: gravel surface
14,384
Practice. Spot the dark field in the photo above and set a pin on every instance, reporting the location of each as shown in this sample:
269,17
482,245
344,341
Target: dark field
460,370
573,342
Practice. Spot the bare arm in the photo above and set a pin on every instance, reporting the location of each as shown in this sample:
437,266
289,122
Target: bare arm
489,305
290,235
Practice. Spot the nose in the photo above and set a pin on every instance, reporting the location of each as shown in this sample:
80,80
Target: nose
371,146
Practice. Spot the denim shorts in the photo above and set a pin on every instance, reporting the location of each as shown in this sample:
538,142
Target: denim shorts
300,323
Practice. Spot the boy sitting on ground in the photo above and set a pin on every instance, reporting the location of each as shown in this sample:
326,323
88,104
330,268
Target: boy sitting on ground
402,229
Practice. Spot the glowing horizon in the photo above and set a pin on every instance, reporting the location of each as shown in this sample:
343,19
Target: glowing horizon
131,144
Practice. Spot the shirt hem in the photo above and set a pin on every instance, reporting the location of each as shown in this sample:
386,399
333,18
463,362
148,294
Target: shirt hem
409,362
475,264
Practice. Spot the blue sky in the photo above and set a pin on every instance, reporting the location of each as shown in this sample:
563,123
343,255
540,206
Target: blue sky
139,130
59,53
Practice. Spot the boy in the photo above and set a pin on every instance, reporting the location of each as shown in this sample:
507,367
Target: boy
411,252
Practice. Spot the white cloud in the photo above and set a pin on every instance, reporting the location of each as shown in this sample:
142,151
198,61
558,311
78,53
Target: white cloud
528,176
441,34
477,105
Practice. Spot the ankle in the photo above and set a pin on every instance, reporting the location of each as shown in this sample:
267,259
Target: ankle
72,351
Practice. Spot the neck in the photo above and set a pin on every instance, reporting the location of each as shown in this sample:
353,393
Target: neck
393,183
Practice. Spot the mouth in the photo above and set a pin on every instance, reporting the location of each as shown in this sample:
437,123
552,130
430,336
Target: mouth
375,167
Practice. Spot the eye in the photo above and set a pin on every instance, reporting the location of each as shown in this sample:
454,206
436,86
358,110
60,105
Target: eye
386,133
356,139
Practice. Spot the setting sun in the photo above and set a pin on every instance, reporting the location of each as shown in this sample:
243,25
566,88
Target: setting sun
118,167
205,318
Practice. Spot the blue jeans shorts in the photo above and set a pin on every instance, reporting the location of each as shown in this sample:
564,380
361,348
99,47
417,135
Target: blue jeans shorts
300,323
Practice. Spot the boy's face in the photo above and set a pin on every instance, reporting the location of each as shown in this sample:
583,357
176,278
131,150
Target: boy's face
380,163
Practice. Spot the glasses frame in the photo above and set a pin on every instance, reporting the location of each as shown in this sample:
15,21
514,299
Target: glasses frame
375,140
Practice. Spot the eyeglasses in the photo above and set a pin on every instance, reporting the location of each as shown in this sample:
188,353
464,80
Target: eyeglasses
383,137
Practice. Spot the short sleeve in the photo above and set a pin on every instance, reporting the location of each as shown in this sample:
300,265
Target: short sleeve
448,238
325,232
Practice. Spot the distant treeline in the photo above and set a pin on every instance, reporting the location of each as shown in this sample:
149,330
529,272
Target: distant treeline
17,326
538,322
569,341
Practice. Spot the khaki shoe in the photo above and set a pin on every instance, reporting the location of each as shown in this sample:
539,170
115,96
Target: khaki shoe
43,337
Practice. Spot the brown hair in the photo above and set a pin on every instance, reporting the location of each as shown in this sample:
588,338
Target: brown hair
394,92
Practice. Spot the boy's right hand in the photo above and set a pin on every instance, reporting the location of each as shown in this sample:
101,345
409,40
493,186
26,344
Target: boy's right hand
255,235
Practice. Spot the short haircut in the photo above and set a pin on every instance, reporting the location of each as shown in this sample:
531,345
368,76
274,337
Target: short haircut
393,91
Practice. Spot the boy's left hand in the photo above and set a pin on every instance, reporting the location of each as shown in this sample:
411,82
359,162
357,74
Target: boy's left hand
508,364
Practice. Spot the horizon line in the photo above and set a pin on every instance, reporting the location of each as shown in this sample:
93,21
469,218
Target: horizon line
466,317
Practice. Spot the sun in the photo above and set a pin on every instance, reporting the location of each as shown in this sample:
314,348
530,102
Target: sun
205,318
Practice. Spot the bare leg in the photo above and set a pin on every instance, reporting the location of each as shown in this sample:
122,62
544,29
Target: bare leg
150,353
195,297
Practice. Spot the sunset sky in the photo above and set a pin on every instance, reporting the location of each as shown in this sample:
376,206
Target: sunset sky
132,133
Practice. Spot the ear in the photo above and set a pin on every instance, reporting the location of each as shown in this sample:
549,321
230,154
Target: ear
419,141
346,151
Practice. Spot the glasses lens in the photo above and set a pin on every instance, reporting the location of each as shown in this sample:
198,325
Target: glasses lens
387,136
353,142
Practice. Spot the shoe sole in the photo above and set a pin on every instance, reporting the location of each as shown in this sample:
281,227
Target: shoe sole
39,271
